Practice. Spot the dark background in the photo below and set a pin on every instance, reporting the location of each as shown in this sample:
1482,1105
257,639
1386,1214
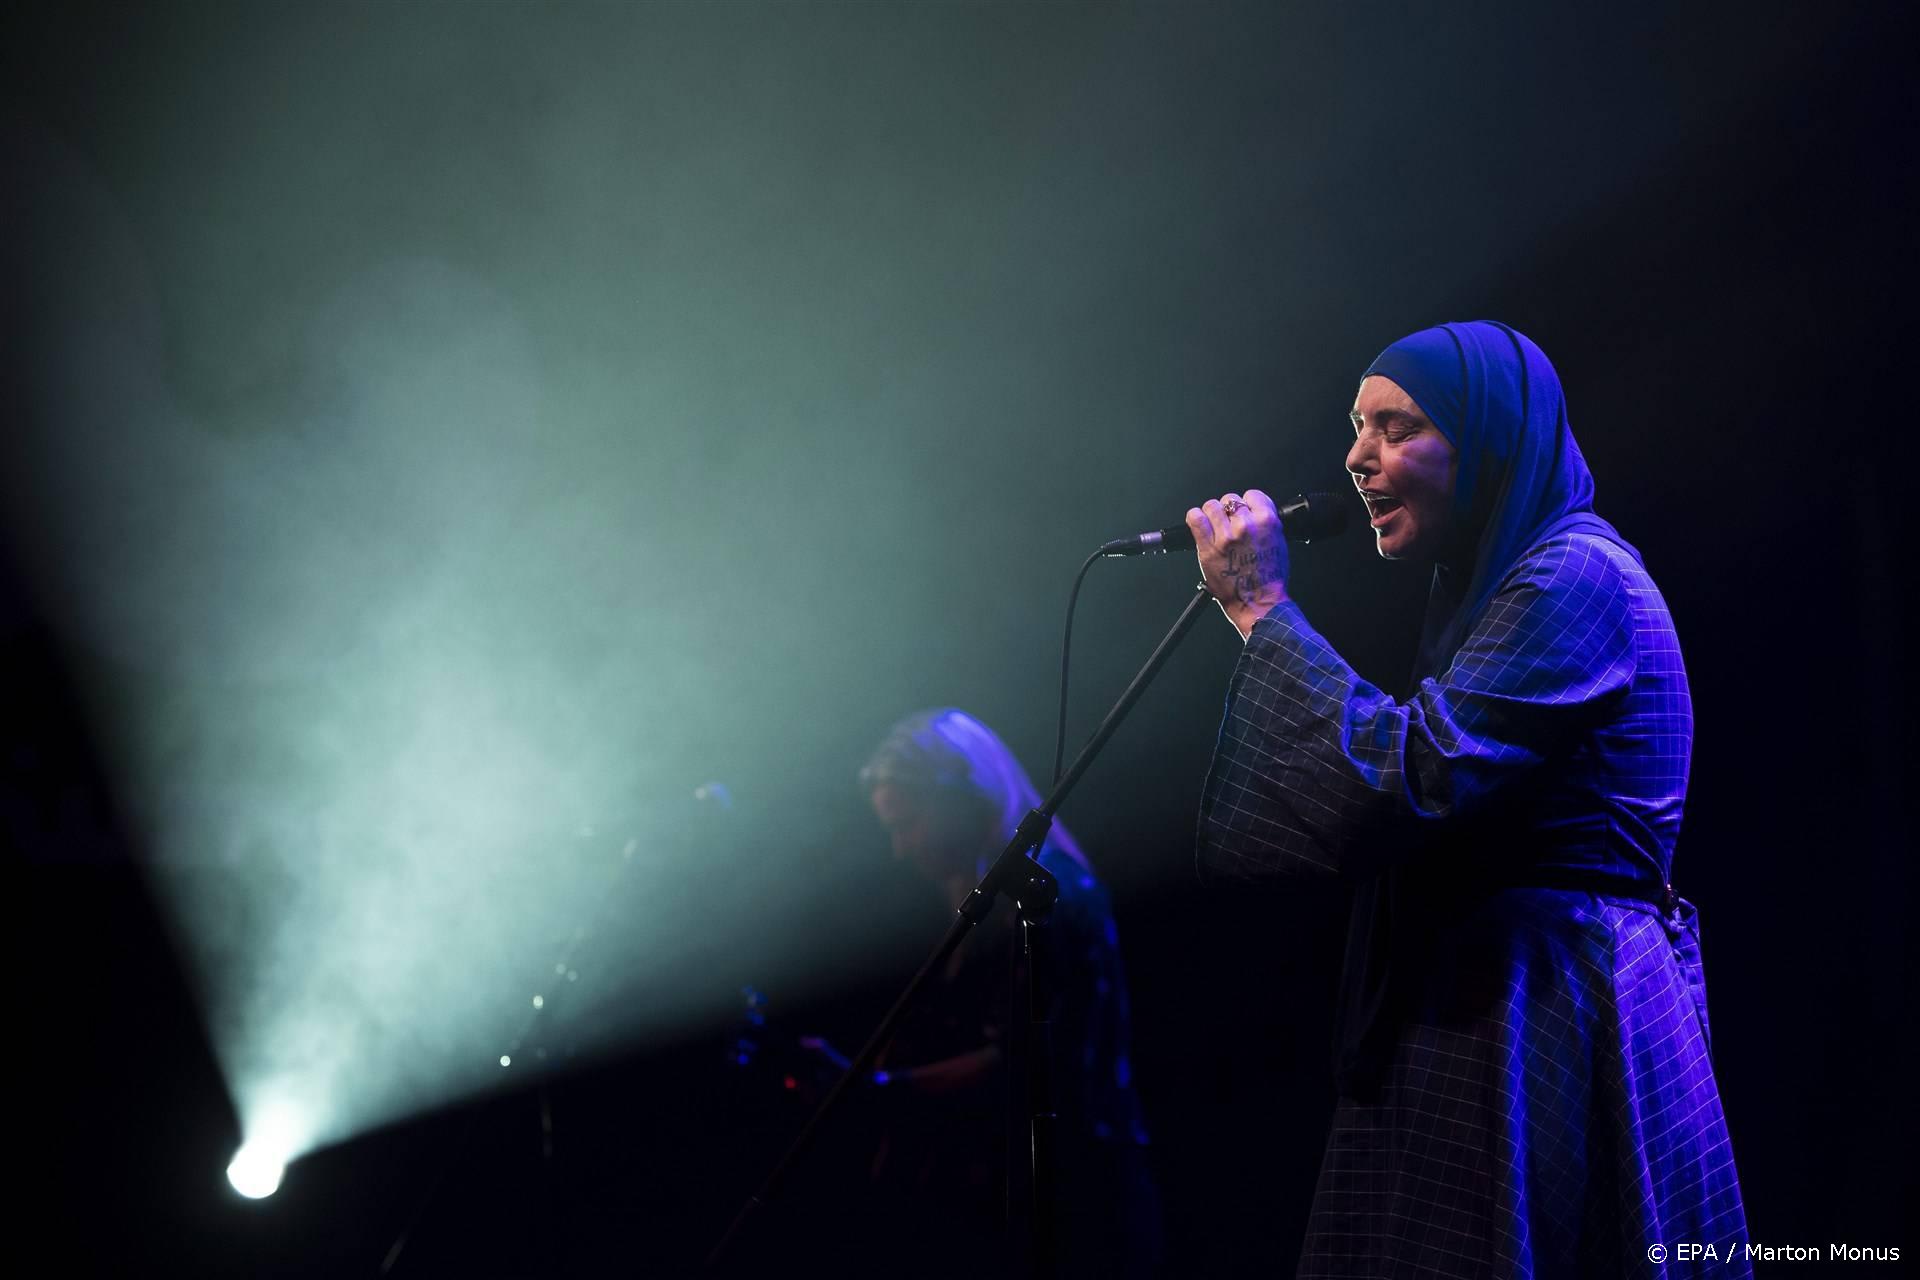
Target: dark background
1705,218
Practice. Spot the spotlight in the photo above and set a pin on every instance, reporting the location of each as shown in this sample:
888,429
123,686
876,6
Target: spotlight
255,1173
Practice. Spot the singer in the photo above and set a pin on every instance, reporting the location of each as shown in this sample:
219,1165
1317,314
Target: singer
1522,1050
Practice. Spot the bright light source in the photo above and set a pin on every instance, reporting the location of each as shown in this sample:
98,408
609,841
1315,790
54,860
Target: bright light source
255,1173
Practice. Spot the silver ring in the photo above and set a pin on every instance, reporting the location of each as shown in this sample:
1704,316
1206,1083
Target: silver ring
1232,505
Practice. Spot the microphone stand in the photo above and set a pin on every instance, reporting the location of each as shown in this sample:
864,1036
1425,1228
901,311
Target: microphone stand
1018,874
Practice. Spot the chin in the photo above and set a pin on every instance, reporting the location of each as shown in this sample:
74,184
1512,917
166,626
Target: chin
1400,549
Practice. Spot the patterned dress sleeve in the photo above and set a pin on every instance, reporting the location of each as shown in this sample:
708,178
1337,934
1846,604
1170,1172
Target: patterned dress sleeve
1319,775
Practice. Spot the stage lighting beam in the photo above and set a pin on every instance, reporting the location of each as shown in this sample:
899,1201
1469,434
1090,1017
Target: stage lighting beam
256,1172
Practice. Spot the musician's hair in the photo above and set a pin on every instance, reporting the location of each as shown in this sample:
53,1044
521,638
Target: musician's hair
945,751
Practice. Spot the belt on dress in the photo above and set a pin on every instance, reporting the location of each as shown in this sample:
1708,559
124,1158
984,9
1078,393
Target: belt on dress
1594,880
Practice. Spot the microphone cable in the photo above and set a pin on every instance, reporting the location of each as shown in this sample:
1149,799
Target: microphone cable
1066,653
1315,514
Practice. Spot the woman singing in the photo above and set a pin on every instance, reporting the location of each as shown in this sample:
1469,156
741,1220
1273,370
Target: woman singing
1525,1086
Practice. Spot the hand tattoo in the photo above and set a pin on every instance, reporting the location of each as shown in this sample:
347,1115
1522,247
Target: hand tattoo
1250,570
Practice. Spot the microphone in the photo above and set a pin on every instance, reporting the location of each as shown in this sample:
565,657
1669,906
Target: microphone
1308,516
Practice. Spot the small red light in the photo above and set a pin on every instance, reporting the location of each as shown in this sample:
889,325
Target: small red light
790,1082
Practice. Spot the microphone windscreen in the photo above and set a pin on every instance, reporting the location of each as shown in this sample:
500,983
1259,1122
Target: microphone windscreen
1314,515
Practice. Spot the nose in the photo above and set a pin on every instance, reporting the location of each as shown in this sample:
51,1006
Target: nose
1360,459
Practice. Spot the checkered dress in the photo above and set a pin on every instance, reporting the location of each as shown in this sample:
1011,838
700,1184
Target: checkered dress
1525,1080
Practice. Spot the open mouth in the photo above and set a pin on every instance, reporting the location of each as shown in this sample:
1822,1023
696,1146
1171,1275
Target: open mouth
1380,507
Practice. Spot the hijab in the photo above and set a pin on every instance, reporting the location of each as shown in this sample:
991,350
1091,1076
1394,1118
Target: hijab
1520,478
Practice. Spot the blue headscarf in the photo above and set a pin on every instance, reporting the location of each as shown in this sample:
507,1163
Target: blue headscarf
1520,477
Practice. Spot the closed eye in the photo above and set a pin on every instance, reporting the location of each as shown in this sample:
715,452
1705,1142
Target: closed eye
1396,424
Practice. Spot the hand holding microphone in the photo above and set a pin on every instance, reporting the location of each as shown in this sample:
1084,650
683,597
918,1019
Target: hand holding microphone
1242,544
1242,547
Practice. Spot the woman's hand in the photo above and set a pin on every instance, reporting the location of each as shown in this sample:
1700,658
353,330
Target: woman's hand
1243,555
